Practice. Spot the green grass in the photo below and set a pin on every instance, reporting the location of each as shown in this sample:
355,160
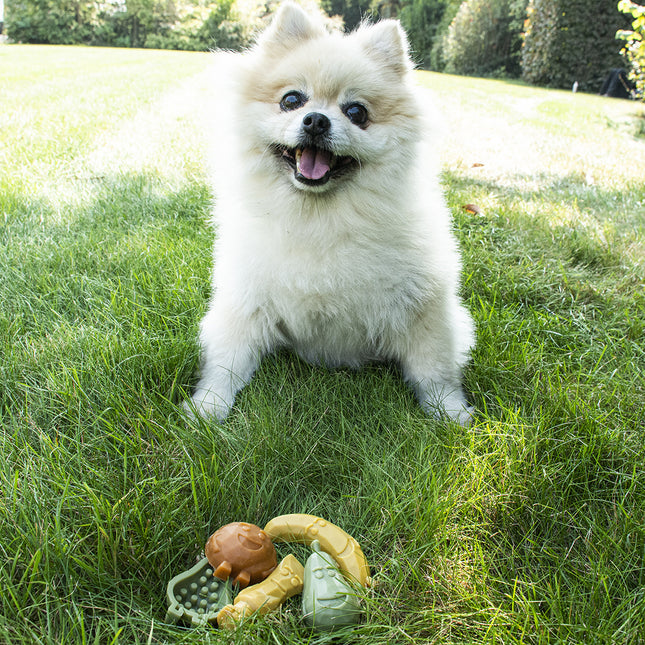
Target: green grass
528,527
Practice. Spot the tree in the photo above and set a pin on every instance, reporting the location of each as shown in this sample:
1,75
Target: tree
60,22
166,24
484,38
421,19
351,11
569,41
134,20
634,49
437,58
222,29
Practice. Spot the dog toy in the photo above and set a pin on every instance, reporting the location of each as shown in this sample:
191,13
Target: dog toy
345,550
241,552
196,595
242,555
328,600
285,581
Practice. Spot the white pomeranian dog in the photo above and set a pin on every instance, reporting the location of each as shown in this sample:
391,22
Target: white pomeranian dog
333,237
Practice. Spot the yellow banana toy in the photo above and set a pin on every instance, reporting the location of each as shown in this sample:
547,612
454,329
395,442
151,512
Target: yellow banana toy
285,581
345,550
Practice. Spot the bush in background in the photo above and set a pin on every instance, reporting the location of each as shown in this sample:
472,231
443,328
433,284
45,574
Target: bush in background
211,26
159,24
484,38
568,41
634,49
63,22
351,11
437,58
564,41
421,20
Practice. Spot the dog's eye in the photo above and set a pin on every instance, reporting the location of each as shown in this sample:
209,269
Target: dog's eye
356,113
292,101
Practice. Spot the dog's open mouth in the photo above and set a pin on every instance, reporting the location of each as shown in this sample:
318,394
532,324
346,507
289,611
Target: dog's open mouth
315,166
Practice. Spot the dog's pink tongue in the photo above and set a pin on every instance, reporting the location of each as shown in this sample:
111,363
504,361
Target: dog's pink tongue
314,163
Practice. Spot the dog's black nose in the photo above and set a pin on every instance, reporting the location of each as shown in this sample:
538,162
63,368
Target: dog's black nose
315,124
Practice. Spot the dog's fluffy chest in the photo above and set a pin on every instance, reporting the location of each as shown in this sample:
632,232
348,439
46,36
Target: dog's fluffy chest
336,297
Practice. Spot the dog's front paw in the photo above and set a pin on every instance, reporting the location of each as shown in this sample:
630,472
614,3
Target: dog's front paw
452,404
463,416
207,403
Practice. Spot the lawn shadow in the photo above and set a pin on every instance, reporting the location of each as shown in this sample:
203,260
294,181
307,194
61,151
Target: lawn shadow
106,290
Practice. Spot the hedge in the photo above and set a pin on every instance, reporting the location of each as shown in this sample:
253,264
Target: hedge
569,41
484,38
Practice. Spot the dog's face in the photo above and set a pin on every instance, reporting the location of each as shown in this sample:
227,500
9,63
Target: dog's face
322,109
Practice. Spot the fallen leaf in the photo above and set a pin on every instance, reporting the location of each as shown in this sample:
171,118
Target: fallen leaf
472,208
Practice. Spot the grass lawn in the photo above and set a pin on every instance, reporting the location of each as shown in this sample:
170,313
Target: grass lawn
528,527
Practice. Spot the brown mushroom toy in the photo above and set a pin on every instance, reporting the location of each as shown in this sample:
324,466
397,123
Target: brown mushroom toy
242,552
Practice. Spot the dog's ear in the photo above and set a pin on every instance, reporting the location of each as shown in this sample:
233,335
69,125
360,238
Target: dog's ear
290,26
387,42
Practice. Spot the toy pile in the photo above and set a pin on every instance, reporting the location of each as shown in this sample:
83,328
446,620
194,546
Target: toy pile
241,556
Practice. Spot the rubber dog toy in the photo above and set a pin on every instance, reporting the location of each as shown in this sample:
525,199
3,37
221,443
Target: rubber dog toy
345,550
328,600
196,595
285,581
241,552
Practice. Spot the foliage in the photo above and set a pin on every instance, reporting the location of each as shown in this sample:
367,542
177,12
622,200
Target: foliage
484,38
437,56
50,21
135,20
568,41
634,49
162,24
421,19
351,11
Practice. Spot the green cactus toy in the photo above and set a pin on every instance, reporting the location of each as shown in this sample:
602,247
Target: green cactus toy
328,599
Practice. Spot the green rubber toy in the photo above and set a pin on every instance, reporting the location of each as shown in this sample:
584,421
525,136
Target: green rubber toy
328,599
196,595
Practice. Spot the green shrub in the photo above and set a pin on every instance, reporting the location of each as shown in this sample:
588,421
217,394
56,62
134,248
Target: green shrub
437,58
222,29
351,11
484,38
634,49
214,27
568,41
158,24
421,19
57,22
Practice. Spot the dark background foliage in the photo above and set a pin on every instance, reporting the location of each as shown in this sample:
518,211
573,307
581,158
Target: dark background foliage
484,38
157,24
571,40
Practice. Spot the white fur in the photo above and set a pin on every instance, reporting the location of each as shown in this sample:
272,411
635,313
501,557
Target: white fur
362,268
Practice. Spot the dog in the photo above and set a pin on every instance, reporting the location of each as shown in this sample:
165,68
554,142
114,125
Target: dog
332,234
